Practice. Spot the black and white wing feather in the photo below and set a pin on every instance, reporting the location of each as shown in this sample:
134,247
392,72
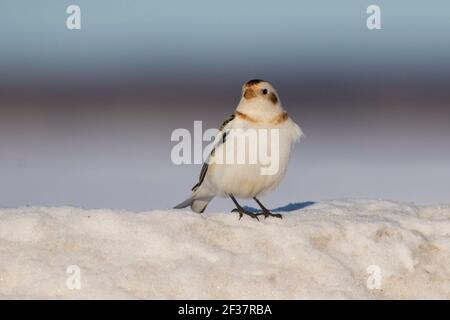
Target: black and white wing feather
222,137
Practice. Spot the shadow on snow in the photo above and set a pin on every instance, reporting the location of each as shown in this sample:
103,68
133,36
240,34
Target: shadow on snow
287,208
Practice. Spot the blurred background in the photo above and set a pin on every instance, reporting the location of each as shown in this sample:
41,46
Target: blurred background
86,115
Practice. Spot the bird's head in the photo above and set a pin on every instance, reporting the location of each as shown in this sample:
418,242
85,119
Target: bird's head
259,89
260,95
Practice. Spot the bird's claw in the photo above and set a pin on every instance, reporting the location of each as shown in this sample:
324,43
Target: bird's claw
267,213
248,213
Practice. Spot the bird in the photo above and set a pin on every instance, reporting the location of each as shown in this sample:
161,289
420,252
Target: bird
259,109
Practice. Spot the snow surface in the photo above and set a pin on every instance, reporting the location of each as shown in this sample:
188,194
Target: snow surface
321,251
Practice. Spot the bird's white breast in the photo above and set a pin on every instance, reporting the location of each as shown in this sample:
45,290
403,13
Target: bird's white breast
248,179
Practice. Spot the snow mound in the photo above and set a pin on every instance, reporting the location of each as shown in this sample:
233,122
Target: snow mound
352,249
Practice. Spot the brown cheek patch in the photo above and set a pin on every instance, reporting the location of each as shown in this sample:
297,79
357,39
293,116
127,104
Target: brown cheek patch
273,98
249,93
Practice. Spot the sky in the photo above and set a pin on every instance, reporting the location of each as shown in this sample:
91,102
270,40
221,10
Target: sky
86,115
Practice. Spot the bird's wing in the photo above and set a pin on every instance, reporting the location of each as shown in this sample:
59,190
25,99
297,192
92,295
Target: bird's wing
223,133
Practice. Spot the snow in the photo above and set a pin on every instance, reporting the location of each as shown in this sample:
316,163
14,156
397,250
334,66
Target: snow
323,250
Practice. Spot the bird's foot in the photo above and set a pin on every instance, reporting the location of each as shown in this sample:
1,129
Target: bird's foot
267,213
242,211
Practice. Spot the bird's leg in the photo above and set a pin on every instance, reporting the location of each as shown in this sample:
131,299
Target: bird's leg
241,210
266,212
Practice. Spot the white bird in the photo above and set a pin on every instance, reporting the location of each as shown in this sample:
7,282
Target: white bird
223,175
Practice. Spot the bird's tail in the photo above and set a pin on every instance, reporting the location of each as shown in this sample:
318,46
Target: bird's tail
198,200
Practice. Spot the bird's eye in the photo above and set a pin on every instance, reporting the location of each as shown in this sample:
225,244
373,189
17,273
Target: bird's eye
264,91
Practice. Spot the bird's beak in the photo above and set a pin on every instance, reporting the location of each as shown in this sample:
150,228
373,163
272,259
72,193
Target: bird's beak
249,93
